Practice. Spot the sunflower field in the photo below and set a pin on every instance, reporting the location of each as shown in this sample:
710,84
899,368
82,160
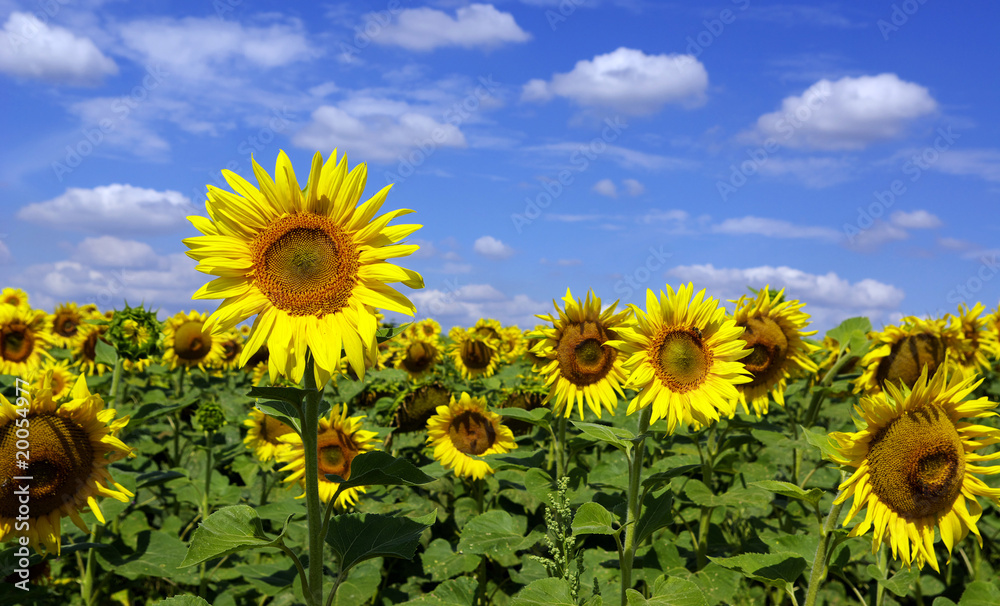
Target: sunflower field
293,447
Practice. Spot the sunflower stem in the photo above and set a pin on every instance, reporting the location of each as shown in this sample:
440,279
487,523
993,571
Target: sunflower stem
633,504
819,569
883,565
205,511
180,380
89,594
116,376
480,598
560,444
314,508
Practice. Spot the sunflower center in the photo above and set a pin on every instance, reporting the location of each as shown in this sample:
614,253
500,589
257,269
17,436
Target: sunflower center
66,325
770,349
917,463
476,354
472,433
336,452
419,357
190,343
683,359
583,357
230,350
16,342
908,357
61,462
89,347
305,264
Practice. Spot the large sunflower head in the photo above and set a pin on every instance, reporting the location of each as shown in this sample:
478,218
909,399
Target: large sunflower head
418,355
475,354
85,354
24,340
463,431
340,440
14,296
971,338
898,354
773,331
308,262
580,361
65,325
427,328
71,445
915,464
684,358
262,436
188,342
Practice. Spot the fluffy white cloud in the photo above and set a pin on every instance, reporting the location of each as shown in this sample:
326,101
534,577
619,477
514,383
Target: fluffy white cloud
982,163
490,247
476,25
880,232
462,305
774,228
111,209
32,49
918,219
633,187
850,113
109,251
627,80
629,159
811,172
606,187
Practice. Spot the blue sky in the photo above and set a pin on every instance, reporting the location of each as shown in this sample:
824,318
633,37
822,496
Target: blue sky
846,151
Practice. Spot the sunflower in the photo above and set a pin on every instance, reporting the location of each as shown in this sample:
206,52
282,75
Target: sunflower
418,355
973,338
419,405
684,358
310,264
427,328
580,360
530,343
340,440
71,446
58,375
14,296
915,464
463,431
232,346
65,325
475,354
262,435
187,342
899,353
23,339
85,354
773,330
492,329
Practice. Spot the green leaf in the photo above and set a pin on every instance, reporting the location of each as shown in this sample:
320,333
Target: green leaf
377,468
492,533
283,411
538,416
228,530
356,537
456,592
822,441
900,583
701,495
778,569
656,479
361,584
545,592
105,353
674,591
980,593
442,562
811,496
616,436
154,478
853,333
593,518
157,554
292,395
183,600
655,515
386,333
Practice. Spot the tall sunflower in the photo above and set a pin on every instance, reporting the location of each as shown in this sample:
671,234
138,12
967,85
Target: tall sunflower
14,296
188,342
340,440
65,328
262,435
71,446
580,360
972,340
915,464
232,346
684,357
308,262
773,331
899,353
417,354
427,328
85,353
23,339
475,354
463,431
57,376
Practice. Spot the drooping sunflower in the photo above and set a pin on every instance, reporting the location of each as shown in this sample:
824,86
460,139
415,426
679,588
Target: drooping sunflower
418,355
188,342
420,405
24,341
915,464
773,331
684,357
475,355
309,263
71,446
262,435
85,354
340,440
65,325
899,353
14,296
972,340
60,379
464,430
581,362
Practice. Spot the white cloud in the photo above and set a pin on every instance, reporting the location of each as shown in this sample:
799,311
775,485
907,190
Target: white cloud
633,187
627,80
32,49
109,251
490,247
875,236
811,172
850,113
463,305
606,187
5,256
622,156
476,25
673,221
774,228
955,243
918,219
982,163
110,209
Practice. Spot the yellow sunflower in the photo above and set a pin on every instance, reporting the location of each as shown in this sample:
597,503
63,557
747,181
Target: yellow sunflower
418,355
773,331
530,344
419,405
262,435
58,375
14,296
340,440
188,342
85,353
899,353
23,339
580,360
972,342
232,346
475,354
463,431
308,262
915,464
71,446
65,325
427,328
684,357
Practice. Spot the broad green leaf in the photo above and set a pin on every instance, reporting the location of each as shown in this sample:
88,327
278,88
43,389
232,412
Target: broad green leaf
386,333
158,554
153,478
655,480
900,583
655,515
853,333
778,569
292,395
492,533
593,518
822,441
538,416
282,411
674,591
183,600
361,584
104,353
456,592
980,593
701,495
545,592
811,496
356,537
442,562
377,468
228,530
616,436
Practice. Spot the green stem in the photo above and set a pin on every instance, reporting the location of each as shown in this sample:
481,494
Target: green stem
314,508
633,504
180,380
704,521
205,511
480,598
561,447
883,566
116,376
89,594
819,570
815,401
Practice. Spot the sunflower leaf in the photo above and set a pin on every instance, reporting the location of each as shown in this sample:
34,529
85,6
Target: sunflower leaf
811,496
545,592
228,530
454,592
657,479
356,537
387,333
675,591
900,583
618,437
655,515
822,441
777,569
593,518
105,353
538,416
183,600
377,468
292,395
282,411
980,593
852,333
